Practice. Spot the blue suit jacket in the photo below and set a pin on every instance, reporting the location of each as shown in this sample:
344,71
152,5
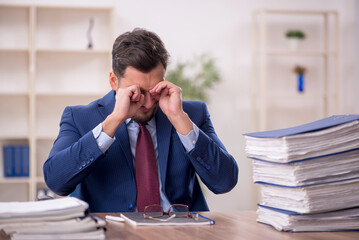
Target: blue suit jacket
107,181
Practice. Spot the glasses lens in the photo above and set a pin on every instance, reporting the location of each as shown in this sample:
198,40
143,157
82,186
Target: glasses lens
154,211
180,210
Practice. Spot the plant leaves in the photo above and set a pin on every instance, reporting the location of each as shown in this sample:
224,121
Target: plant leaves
194,77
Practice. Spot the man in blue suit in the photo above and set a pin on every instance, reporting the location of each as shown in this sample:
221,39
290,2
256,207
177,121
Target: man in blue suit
93,157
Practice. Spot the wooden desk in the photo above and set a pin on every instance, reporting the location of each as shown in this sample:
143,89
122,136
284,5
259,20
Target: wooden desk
239,225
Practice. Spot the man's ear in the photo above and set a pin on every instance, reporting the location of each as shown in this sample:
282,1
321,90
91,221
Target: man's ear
113,81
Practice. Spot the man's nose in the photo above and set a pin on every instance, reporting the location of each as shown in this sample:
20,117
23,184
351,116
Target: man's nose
149,100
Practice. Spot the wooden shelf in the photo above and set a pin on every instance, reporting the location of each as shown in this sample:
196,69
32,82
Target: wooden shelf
14,50
14,94
298,53
14,137
70,94
294,95
295,12
46,137
73,51
40,180
61,8
46,67
271,63
4,180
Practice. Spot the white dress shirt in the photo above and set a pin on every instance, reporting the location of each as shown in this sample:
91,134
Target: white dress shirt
104,142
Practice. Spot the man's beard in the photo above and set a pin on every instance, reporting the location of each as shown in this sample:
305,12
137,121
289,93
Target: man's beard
145,117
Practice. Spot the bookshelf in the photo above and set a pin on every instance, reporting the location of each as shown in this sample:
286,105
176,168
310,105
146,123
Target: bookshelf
273,96
46,65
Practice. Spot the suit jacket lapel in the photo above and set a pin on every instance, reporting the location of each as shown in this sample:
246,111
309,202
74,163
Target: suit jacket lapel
123,139
106,105
163,131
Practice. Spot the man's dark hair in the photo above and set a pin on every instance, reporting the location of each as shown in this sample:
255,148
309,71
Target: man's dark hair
140,49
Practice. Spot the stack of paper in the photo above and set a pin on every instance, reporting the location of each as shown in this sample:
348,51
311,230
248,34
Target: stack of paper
346,219
63,218
329,135
318,170
311,170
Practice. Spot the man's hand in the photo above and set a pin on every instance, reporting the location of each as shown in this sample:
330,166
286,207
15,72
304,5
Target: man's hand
170,102
128,101
169,97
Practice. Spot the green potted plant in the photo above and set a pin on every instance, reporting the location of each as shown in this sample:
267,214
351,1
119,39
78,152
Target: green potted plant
294,37
194,77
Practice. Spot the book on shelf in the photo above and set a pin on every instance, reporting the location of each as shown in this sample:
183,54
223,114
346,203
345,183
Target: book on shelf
7,161
25,160
16,160
284,220
63,218
310,169
138,219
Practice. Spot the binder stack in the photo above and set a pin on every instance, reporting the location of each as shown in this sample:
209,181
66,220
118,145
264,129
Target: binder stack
16,160
63,218
309,175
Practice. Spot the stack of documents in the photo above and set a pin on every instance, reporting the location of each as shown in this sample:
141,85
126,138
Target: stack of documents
324,169
63,218
308,173
283,220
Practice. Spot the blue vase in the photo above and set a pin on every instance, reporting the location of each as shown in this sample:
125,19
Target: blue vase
300,83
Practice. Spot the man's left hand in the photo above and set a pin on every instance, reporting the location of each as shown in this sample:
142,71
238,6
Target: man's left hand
169,97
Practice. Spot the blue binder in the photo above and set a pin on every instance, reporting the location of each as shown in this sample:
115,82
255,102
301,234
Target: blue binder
8,161
17,161
24,161
308,127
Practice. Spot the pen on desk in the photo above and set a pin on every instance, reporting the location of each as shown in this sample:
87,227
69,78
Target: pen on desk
114,218
210,220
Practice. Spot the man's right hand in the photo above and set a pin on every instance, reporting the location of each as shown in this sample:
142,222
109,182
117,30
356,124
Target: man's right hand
128,101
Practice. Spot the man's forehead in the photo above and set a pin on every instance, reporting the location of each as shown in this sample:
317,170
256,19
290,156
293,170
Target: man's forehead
146,90
144,80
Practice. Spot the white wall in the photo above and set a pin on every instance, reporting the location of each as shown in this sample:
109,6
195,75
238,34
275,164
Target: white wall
223,29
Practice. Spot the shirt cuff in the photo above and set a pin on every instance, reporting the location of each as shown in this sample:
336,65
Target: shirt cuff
103,140
189,140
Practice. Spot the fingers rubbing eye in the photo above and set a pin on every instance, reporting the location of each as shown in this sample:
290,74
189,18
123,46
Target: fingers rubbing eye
156,97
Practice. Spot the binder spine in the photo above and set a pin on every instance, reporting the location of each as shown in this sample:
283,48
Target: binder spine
8,153
25,161
17,161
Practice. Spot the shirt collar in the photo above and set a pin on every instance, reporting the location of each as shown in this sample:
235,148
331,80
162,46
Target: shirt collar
151,123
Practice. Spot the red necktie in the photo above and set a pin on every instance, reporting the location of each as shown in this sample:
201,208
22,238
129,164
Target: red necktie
146,170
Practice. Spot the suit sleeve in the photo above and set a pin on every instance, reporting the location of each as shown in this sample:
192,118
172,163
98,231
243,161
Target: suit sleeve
217,169
71,158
